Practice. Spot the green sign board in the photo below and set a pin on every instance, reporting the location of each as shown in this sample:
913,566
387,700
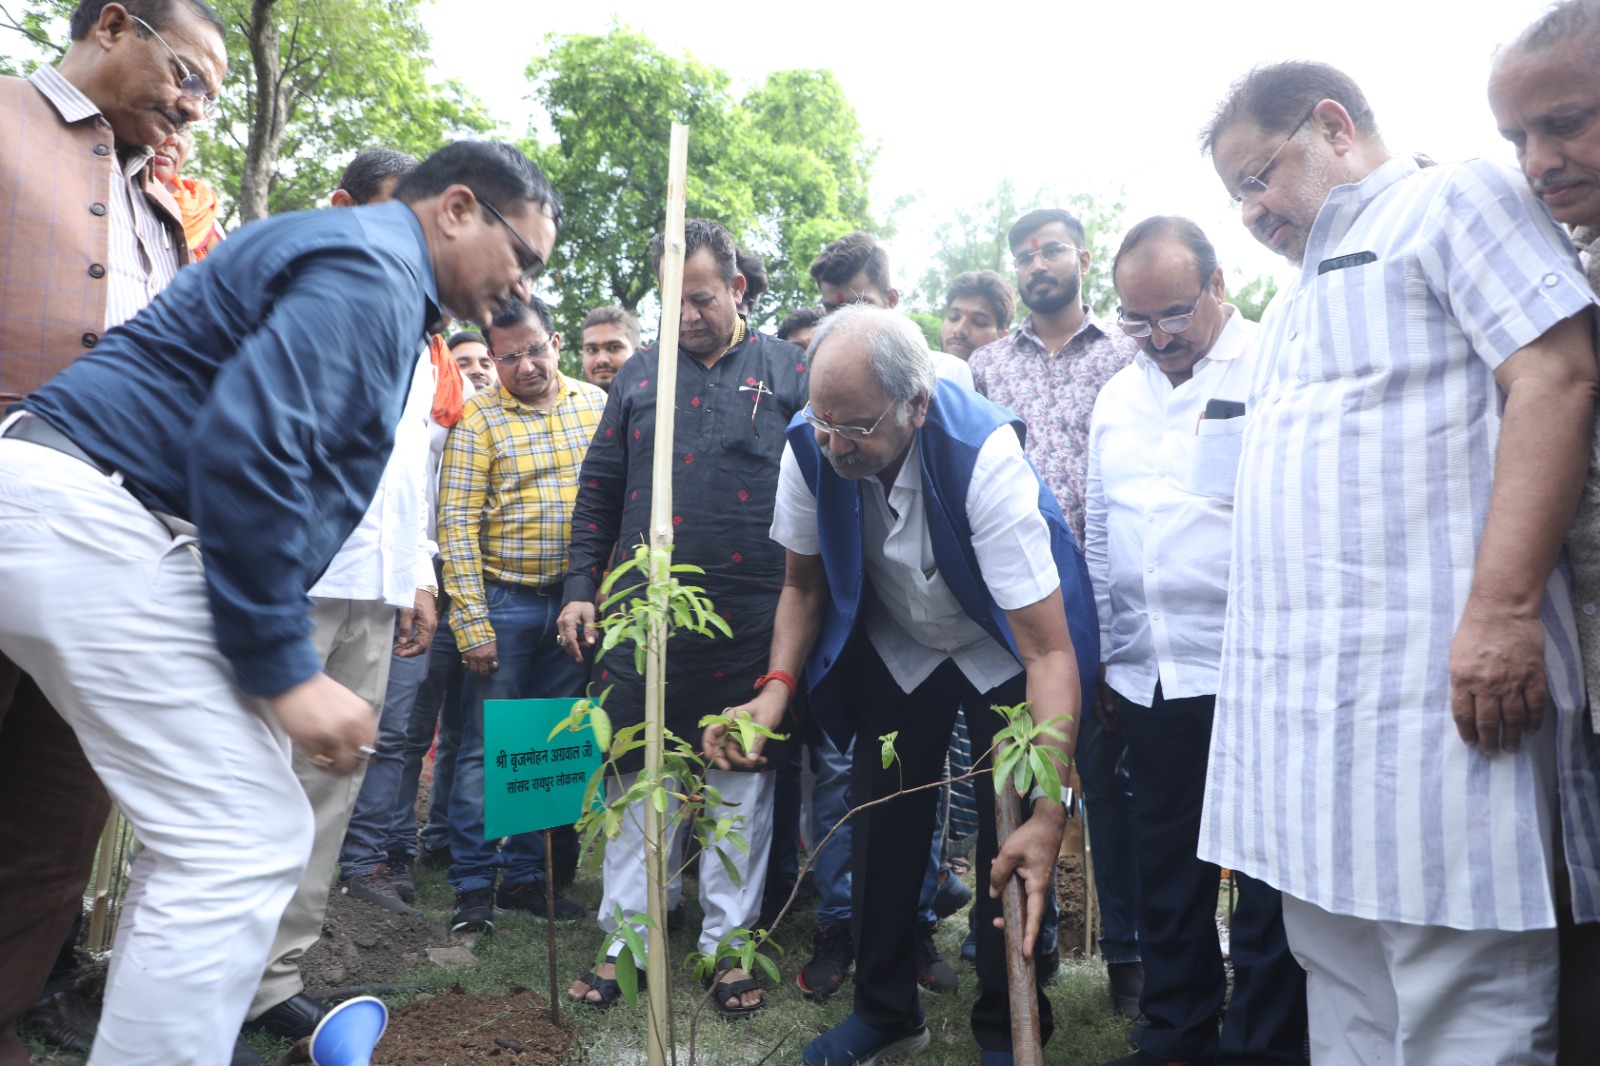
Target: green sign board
530,780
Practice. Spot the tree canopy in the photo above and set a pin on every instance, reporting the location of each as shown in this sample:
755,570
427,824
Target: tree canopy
784,167
303,94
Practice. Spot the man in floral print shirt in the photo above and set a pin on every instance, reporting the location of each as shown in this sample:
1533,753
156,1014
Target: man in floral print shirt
1048,371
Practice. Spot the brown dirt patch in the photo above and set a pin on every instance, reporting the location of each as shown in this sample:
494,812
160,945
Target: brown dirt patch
363,944
1071,896
457,1028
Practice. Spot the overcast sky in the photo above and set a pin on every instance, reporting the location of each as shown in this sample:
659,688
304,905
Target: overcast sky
1091,95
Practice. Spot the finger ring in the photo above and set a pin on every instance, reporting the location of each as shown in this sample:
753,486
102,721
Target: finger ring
366,752
463,662
494,664
561,639
322,761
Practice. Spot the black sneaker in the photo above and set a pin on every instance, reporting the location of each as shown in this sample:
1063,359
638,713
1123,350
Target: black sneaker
530,898
933,973
435,858
405,886
832,955
376,888
474,912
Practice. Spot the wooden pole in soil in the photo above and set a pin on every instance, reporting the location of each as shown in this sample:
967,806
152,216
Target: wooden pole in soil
1025,1047
659,969
550,927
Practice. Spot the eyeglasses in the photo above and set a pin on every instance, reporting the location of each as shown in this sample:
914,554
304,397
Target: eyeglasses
1254,187
531,271
846,432
1170,324
532,351
192,84
1050,251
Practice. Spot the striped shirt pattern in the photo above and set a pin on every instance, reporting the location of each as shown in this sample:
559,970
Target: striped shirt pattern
1336,773
506,491
142,258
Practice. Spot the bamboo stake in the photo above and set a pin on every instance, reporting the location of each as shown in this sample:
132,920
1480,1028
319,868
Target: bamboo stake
661,537
1025,1047
105,876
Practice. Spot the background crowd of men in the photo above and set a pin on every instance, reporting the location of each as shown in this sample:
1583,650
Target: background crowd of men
1319,596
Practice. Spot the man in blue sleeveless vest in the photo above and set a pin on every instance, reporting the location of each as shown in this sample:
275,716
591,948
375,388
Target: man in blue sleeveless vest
928,567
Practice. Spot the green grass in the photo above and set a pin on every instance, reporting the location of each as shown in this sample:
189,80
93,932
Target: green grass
516,954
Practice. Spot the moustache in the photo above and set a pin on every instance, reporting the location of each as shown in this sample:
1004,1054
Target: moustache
843,462
1555,179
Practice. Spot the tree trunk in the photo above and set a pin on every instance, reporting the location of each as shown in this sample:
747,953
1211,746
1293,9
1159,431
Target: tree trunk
268,115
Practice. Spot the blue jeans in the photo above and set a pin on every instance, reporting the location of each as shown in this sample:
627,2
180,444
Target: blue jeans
532,666
438,705
830,872
1102,759
378,830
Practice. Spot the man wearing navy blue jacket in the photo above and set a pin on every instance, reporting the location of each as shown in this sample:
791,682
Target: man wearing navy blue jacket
168,499
928,568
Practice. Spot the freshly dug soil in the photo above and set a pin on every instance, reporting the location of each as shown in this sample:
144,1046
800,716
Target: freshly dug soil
1071,897
363,944
453,1028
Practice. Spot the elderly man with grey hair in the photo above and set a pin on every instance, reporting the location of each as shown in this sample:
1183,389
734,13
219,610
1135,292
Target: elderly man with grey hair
906,505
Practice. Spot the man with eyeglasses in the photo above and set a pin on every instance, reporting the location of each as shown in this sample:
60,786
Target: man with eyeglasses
1049,370
1546,103
170,498
853,271
506,493
1163,454
928,568
88,235
1400,745
737,389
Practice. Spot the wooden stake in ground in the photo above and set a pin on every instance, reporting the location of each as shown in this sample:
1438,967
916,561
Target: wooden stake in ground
550,927
1025,1047
661,537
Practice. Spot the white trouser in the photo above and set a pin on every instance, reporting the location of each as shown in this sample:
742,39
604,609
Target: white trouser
1389,994
107,610
747,798
354,639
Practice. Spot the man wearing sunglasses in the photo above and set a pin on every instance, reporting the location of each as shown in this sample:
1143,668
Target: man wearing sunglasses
1048,371
1163,453
87,235
1400,744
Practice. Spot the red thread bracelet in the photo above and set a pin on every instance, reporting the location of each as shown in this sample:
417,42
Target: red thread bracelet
778,675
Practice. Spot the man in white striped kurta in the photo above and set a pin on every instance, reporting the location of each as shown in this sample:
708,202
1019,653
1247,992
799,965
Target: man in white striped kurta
1418,429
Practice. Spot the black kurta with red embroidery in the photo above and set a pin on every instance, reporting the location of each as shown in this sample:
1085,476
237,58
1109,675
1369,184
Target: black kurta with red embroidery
724,482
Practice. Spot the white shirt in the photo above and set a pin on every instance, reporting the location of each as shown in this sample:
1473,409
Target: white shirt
914,621
1365,476
390,553
952,369
1159,518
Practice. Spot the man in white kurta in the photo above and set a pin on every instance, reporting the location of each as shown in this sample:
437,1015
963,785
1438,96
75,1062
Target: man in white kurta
1399,744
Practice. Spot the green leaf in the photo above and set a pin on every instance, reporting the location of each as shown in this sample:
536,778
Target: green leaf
728,867
628,973
600,722
887,752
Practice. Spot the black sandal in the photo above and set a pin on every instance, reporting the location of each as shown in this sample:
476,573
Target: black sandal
610,991
726,990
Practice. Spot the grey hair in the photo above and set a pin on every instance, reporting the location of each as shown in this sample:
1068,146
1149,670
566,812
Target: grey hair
1571,21
897,352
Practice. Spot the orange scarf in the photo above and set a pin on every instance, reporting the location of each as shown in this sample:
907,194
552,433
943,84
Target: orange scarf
447,382
197,202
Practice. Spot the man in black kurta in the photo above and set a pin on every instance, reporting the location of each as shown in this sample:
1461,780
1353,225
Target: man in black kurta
737,390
